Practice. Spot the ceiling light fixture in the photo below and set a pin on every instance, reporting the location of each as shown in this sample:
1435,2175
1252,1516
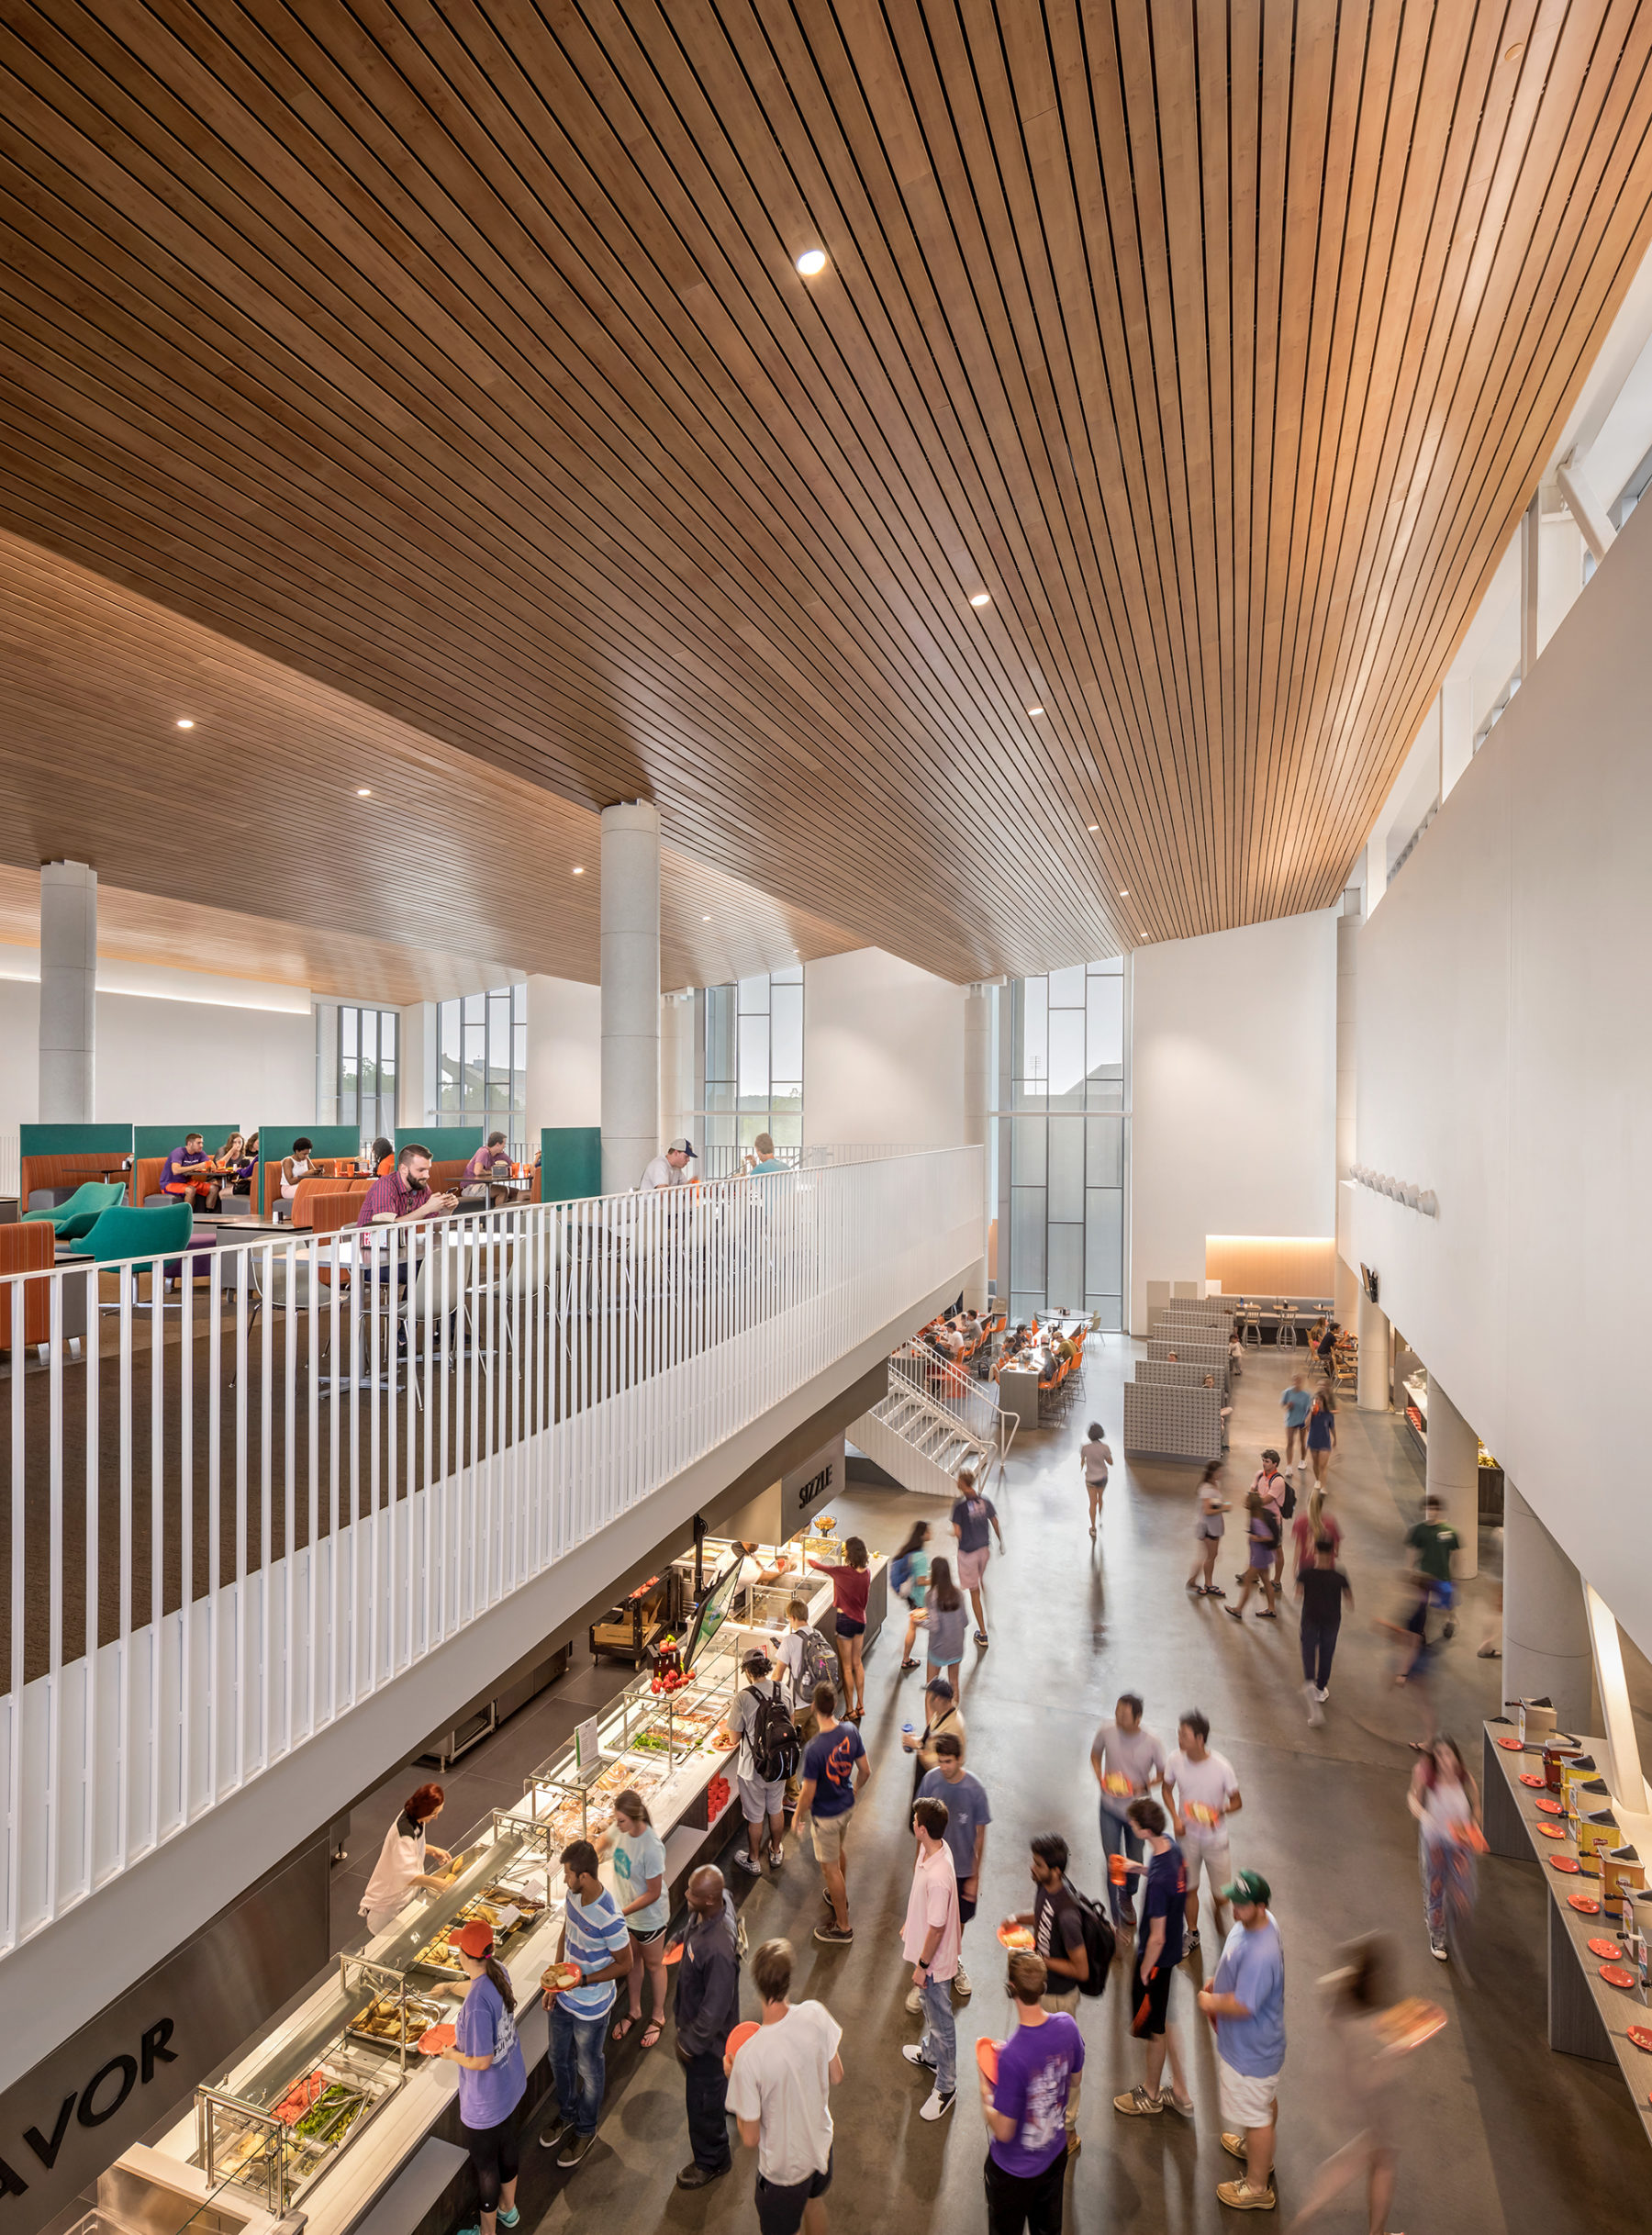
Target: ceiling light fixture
705,919
1035,710
812,263
1513,53
1124,892
1092,826
363,792
980,598
185,723
579,869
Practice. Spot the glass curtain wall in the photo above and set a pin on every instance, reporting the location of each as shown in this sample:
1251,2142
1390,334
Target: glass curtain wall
1062,1142
482,1060
752,1054
357,1053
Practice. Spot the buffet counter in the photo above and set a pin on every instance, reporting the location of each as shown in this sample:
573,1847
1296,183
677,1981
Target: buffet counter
319,2116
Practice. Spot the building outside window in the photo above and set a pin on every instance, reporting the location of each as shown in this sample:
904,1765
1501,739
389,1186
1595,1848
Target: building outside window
357,1068
751,1077
1061,1143
482,1060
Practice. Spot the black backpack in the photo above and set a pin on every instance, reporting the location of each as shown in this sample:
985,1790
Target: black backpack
1287,1503
1098,1943
776,1750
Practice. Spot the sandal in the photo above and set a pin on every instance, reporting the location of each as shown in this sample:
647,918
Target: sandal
624,2027
907,1666
981,1637
650,2033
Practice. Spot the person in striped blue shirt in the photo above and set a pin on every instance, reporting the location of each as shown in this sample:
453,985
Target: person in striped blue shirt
595,1938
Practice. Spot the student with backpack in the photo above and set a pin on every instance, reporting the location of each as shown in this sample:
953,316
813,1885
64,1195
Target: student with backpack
805,1661
761,1722
1073,1938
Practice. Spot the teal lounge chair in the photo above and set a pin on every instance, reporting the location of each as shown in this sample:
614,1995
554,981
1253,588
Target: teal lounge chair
84,1209
125,1233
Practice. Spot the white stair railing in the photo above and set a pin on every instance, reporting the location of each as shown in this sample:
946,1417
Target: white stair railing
952,1388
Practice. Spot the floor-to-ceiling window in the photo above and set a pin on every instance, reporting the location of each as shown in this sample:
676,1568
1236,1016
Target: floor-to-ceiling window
482,1060
753,1058
1062,1142
357,1066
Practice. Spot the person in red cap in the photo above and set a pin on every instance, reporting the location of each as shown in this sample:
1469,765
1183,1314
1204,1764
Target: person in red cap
492,2077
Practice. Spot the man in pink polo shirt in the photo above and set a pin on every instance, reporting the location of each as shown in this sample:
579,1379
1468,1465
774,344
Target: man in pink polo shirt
931,1941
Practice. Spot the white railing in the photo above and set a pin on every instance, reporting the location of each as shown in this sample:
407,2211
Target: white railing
723,1160
321,1458
955,1390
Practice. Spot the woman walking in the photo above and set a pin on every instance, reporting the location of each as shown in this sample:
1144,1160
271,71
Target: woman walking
1207,1534
946,1619
908,1579
1446,1801
1095,1457
975,1523
639,1854
1263,1530
850,1585
1313,1521
1322,1433
492,2079
1362,1995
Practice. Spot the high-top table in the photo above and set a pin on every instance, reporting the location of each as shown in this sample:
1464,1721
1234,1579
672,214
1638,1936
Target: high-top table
1586,2016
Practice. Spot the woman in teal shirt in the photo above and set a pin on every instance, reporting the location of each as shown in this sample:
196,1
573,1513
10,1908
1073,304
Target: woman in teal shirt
639,1858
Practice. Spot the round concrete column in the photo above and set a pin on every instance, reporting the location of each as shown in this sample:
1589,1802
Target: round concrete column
1376,1356
1546,1652
978,1102
630,992
1345,1296
1454,1474
67,991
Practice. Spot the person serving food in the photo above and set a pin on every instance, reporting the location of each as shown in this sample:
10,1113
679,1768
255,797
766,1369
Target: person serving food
403,1857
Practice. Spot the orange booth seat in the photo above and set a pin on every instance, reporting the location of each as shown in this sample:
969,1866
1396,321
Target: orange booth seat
64,1172
28,1249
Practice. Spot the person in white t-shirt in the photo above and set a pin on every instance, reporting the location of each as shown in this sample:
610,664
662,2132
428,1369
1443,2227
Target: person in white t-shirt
1202,1792
667,1172
779,2087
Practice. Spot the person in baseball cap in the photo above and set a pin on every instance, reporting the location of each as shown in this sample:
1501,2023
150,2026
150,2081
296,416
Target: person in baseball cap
667,1172
1245,2003
1250,1888
492,2076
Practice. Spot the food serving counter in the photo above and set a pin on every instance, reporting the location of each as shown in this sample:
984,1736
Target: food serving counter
319,2116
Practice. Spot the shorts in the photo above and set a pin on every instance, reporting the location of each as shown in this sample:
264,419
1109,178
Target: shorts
781,2211
972,1569
759,1797
1150,2001
1213,1857
1262,1556
1247,2102
830,1836
966,1909
1209,1525
847,1626
646,1939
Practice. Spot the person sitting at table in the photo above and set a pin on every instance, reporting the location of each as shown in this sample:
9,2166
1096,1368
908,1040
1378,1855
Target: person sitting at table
236,1164
180,1163
404,1193
299,1165
381,1160
478,1172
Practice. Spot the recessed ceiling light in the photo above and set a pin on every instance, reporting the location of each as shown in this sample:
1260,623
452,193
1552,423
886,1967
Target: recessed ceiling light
980,598
705,919
1124,892
363,791
579,869
1092,826
812,263
1035,710
1513,53
185,723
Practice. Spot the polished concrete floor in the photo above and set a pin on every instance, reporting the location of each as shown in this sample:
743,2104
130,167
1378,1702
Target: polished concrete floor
1502,2135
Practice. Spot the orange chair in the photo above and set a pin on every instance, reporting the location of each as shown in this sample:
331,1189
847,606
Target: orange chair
27,1249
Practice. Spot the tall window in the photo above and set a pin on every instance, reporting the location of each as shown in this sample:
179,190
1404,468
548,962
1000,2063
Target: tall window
482,1060
357,1068
754,1065
1062,1140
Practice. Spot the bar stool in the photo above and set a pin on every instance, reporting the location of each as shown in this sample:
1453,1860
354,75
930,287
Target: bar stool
1250,1324
1287,1337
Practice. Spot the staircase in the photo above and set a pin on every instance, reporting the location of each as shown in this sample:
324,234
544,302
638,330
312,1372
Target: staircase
931,1422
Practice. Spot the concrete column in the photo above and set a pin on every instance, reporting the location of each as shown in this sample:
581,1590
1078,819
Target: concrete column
978,1102
67,991
630,992
1546,1647
1346,1297
1454,1475
677,1067
1376,1356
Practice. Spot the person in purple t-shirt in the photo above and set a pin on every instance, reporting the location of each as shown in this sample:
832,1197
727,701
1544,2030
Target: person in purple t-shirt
1025,2106
492,2077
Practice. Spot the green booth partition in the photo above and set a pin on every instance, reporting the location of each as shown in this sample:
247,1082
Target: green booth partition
447,1144
570,1163
65,1155
274,1142
160,1140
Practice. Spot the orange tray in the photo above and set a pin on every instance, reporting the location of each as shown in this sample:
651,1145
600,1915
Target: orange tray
1617,1974
986,2057
438,2038
1584,1904
1564,1862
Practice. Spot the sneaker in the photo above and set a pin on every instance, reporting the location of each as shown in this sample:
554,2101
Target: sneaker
1240,2196
1322,1693
1139,2103
746,1861
777,1856
913,2053
692,2176
835,1935
510,2219
553,2133
574,2148
938,2105
1437,1948
914,2001
961,1986
980,1637
1190,1945
1182,2107
1235,2145
1316,1714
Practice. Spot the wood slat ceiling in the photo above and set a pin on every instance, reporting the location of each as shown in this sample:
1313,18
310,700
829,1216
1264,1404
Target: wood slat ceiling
455,358
241,847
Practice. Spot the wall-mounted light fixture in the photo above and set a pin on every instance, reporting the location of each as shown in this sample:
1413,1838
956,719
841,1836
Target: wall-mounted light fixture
1404,1192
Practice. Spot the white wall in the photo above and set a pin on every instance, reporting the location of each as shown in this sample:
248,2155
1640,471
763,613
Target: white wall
883,1053
1504,1063
564,1054
158,1058
1234,1093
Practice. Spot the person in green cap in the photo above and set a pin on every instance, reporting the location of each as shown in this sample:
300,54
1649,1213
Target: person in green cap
1246,2004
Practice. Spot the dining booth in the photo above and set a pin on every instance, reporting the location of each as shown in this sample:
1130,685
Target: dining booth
451,1147
53,1161
151,1146
330,1146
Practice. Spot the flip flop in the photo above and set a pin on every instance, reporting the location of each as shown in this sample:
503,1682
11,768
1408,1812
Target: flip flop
624,2027
657,2029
